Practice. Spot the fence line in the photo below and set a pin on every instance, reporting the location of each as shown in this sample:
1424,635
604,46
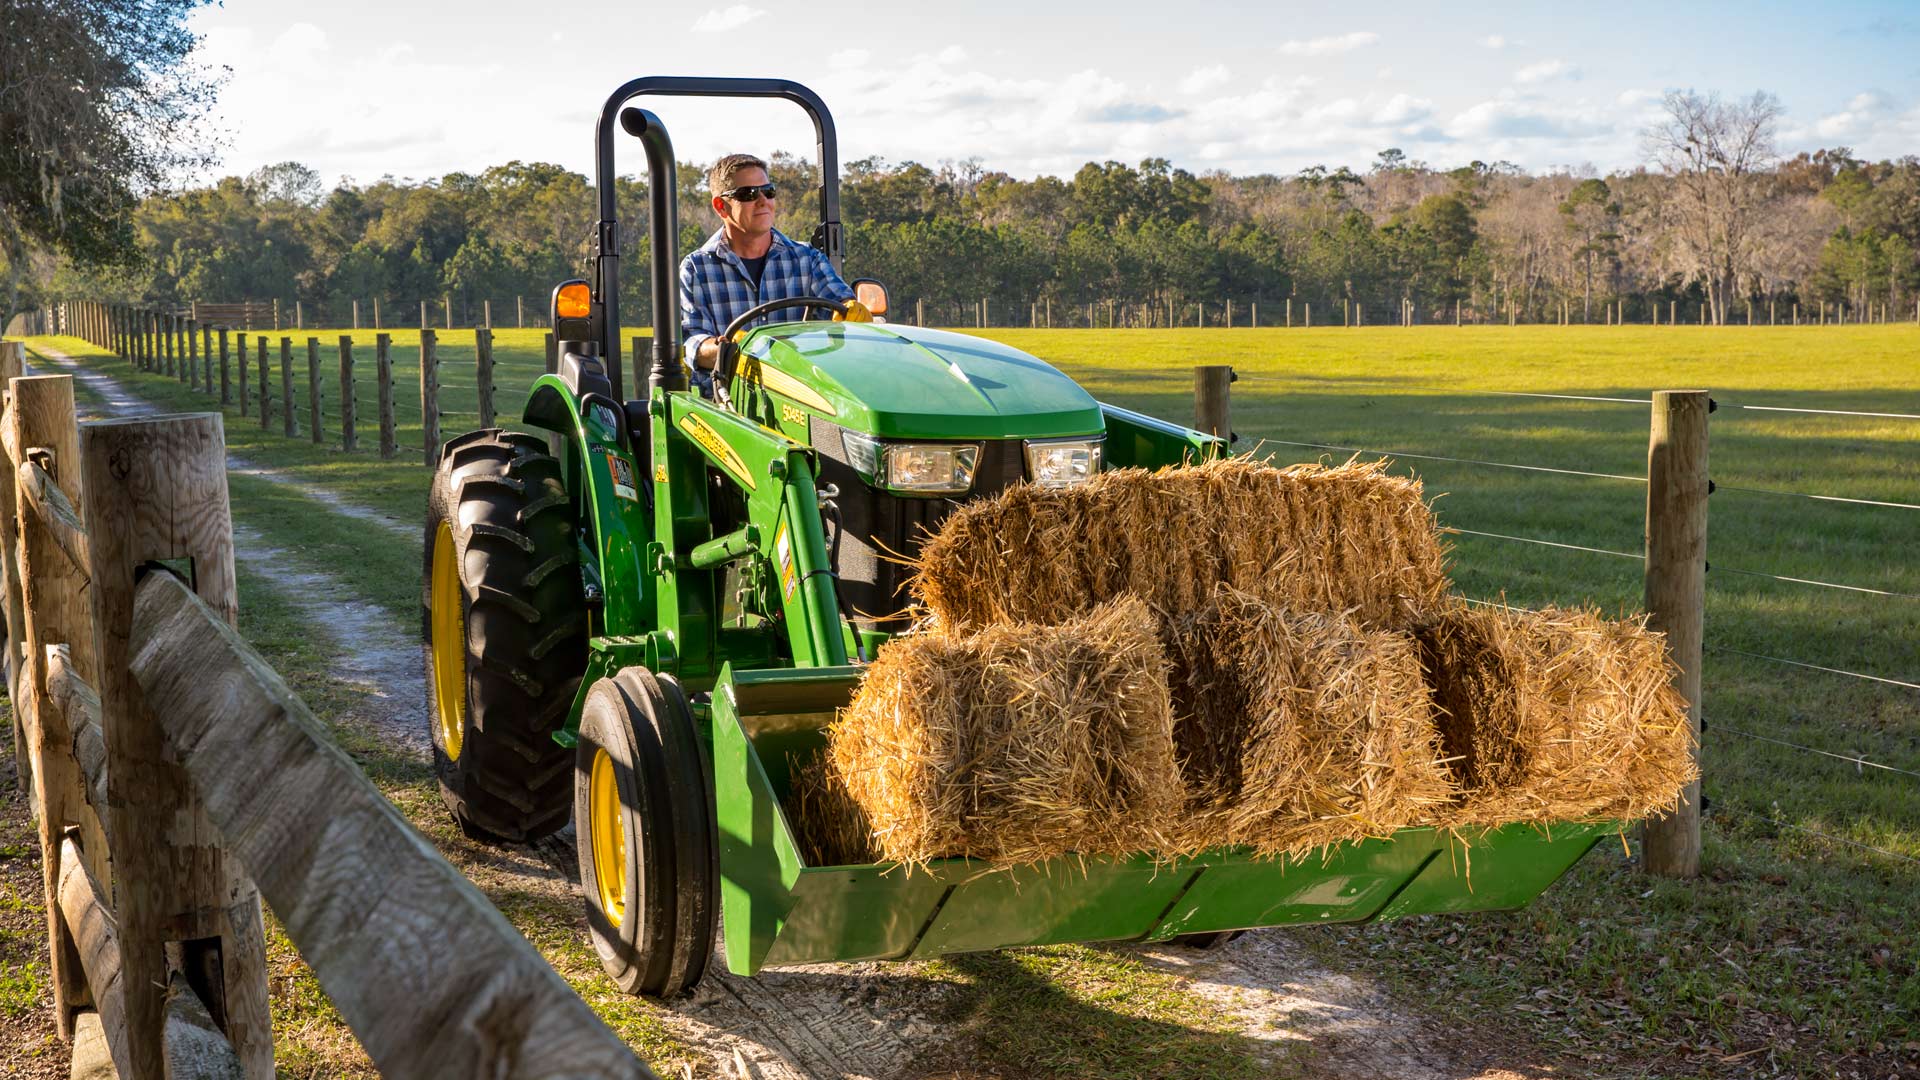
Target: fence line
1456,460
1821,584
1547,543
1813,667
152,747
1825,412
1822,498
1721,726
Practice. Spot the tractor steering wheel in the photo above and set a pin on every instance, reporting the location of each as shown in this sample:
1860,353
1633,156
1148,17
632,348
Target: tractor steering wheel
729,359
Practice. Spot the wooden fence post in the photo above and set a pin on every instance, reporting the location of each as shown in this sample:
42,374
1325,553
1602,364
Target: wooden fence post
206,358
244,405
430,395
192,374
376,313
299,315
276,313
383,378
483,371
1676,577
446,302
266,383
289,426
348,441
313,391
486,313
156,489
12,364
1213,400
356,314
41,429
520,313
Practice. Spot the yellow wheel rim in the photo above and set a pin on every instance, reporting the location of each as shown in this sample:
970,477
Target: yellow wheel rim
609,839
449,644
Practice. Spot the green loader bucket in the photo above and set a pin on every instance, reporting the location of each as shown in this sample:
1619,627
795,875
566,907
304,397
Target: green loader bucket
778,910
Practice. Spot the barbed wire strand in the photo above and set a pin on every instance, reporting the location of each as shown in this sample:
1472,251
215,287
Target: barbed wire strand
1737,811
1719,727
1809,581
1813,667
1546,543
1822,498
1456,460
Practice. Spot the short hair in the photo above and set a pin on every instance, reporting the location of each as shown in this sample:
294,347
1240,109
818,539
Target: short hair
720,177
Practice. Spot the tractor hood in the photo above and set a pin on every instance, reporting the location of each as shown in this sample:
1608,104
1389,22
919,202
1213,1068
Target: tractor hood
911,382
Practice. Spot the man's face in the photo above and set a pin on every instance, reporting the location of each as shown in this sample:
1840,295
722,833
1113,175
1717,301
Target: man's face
752,218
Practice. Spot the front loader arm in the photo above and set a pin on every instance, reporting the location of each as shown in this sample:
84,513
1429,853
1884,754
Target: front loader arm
783,527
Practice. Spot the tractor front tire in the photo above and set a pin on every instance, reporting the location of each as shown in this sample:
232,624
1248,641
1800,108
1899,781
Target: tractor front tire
644,826
505,634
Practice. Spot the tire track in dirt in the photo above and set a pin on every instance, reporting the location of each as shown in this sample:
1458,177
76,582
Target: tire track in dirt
875,1021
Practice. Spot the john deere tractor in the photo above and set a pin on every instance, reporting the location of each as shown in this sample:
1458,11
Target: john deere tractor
639,619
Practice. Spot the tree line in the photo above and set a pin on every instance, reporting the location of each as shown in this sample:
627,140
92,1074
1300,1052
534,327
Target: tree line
1712,219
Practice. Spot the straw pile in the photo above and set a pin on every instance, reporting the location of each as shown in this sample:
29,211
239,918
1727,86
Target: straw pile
1555,715
1016,743
1310,538
1299,730
830,826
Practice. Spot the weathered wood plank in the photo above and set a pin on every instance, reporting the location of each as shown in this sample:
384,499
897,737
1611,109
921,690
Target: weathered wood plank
98,942
195,1047
39,492
12,362
81,706
429,975
56,611
156,490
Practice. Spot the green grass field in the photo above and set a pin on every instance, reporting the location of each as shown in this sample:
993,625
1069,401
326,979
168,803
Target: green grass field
1794,949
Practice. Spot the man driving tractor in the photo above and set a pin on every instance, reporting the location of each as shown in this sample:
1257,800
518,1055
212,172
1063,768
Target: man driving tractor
746,262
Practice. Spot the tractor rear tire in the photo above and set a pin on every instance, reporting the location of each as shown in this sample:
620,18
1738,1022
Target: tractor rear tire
505,632
644,824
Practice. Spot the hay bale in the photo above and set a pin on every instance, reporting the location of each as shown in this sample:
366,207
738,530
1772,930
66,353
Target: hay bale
1017,743
1310,538
830,827
1297,730
1556,715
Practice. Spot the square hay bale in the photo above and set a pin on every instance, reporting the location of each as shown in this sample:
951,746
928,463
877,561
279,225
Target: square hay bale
1556,715
1297,730
1310,538
1017,743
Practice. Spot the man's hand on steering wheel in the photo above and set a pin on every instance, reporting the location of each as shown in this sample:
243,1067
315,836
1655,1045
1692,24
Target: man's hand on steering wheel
855,312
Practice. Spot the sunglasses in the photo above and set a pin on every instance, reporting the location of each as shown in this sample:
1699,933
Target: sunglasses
752,193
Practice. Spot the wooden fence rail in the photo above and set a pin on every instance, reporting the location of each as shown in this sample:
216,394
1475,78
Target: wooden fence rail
149,727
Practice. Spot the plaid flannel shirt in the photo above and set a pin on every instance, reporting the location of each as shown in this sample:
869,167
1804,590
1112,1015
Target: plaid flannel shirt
715,289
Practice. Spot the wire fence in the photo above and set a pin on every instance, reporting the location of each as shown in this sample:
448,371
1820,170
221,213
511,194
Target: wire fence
1860,761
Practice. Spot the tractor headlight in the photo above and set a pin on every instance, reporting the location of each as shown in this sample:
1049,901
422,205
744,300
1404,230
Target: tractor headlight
912,468
1058,463
930,468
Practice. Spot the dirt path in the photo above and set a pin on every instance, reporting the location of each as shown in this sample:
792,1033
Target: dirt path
872,1020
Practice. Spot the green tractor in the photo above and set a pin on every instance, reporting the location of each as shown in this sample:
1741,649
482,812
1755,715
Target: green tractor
638,621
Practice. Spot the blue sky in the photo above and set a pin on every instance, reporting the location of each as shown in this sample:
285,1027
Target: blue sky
415,88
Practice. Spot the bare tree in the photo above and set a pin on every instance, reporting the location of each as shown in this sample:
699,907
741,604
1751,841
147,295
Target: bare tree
1717,152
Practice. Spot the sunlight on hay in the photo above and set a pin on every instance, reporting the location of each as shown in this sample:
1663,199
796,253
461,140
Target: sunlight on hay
1016,743
1556,715
1310,538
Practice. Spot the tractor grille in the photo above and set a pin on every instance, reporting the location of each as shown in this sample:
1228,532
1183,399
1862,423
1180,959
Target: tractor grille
877,528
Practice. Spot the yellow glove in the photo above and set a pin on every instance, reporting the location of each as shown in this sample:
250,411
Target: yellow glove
856,312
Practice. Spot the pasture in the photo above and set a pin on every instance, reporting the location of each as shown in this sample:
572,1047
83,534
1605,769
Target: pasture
1793,951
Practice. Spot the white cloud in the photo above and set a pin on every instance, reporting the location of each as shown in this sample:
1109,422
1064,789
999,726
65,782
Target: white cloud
1326,46
1494,41
1402,109
849,58
731,17
1204,79
1545,70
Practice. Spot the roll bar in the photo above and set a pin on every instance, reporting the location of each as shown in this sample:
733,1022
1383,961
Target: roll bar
664,225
